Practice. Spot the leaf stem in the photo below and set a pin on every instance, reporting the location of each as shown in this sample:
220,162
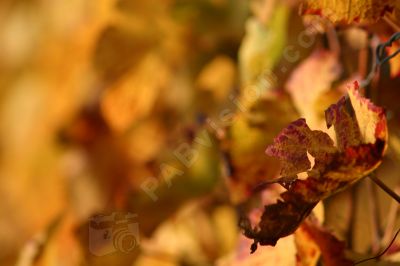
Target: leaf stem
382,185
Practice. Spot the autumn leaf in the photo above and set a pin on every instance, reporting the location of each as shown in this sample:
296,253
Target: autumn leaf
249,133
361,133
294,142
217,78
308,252
331,248
347,11
263,43
307,89
135,95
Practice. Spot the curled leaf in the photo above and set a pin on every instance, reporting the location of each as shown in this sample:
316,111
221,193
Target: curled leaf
361,134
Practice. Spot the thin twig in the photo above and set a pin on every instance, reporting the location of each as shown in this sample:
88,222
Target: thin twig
391,220
383,252
371,74
382,185
380,50
380,57
373,217
391,23
352,219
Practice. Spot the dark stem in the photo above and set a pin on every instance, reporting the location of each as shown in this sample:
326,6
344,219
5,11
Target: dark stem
374,220
382,185
352,226
383,252
391,221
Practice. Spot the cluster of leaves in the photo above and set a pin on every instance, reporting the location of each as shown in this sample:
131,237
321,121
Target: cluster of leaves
356,149
361,135
165,109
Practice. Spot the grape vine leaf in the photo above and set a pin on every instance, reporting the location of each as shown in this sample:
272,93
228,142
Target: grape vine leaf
347,11
361,140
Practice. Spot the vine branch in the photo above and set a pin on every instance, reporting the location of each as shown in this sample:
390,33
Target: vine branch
382,185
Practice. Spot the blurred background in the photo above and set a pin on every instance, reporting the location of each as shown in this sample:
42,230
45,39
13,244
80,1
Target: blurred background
152,117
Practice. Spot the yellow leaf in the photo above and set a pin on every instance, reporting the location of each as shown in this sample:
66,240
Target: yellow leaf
348,11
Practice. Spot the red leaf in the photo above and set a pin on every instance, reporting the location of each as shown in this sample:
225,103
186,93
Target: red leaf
361,134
